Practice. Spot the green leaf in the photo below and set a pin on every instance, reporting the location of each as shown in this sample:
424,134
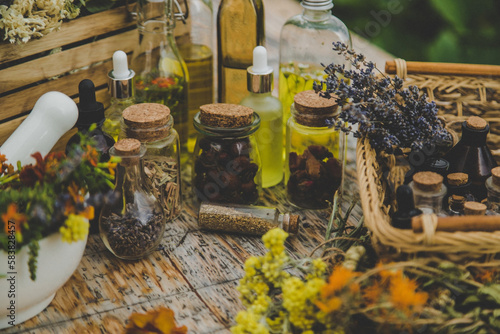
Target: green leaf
492,291
454,12
95,6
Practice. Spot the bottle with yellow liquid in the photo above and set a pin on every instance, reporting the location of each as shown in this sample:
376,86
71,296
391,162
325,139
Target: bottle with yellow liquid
240,28
195,46
269,135
121,89
306,43
161,73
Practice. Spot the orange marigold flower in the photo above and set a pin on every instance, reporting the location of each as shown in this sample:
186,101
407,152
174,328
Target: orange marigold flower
163,82
13,216
403,295
160,321
92,155
88,213
372,293
329,306
337,281
486,276
3,158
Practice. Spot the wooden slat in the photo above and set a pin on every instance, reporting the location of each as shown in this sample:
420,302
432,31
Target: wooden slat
70,32
63,62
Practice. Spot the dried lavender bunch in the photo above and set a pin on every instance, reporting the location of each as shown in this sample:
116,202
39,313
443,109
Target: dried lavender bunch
390,116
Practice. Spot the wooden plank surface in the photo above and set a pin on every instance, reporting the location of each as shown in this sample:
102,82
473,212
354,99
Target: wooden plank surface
193,272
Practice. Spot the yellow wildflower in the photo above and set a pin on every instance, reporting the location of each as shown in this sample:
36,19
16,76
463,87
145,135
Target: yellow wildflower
248,323
75,228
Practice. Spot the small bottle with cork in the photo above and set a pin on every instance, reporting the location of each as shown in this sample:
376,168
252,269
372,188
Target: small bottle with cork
152,124
493,186
227,167
472,156
428,192
458,186
244,219
314,151
132,225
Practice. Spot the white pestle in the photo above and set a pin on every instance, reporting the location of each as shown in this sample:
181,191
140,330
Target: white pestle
52,116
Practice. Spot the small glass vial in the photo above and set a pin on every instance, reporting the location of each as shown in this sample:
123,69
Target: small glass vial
132,225
227,166
315,151
474,209
458,186
493,187
152,124
243,219
428,192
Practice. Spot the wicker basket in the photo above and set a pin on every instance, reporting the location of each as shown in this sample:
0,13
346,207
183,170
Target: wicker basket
458,97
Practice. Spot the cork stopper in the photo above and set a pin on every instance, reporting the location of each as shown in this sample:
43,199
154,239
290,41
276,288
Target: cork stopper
428,181
474,208
310,102
146,115
495,175
457,179
292,226
224,115
476,123
128,146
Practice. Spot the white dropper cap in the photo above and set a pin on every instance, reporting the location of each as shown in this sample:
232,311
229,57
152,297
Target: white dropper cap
121,78
120,65
52,116
260,75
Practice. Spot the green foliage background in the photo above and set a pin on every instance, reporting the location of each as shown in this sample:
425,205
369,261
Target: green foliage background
464,31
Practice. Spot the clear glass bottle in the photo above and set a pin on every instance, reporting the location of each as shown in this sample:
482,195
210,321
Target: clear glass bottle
132,225
240,28
244,219
195,45
428,192
315,152
121,88
306,43
270,133
227,166
493,187
152,125
458,192
161,73
472,156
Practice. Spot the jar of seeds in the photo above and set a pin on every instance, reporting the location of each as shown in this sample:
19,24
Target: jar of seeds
314,151
132,224
227,165
245,219
152,124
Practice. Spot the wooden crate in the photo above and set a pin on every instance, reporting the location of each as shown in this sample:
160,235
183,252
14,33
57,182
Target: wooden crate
81,49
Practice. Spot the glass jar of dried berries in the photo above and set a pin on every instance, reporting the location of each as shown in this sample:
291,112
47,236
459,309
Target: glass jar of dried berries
315,151
227,167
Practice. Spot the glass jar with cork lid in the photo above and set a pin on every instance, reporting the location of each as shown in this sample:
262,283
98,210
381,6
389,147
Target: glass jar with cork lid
493,186
152,124
132,224
315,151
227,167
428,192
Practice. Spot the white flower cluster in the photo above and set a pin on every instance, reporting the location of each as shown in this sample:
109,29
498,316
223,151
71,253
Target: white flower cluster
26,19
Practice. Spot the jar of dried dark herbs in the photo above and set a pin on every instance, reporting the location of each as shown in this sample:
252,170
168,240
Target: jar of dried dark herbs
131,225
315,151
152,124
227,166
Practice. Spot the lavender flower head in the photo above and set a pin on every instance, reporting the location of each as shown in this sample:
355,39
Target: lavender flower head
388,114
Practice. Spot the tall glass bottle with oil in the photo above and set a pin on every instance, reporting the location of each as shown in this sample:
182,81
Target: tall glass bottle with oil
161,73
240,28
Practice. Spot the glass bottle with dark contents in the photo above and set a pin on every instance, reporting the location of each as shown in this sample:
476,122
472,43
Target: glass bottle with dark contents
227,167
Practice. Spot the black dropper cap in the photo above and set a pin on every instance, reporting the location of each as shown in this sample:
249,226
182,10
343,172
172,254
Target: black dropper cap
406,208
89,110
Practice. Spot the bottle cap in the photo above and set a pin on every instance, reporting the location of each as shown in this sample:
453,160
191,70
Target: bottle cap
225,115
260,76
317,4
147,122
313,110
495,174
89,110
476,123
128,146
121,78
427,181
457,179
291,223
474,208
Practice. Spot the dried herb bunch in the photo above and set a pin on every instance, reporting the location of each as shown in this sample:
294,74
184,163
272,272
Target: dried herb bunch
388,114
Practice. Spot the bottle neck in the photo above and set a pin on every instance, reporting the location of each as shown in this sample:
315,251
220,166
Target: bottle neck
316,15
84,128
155,16
317,10
473,137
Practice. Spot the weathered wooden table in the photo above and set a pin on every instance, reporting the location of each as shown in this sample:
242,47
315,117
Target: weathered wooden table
193,272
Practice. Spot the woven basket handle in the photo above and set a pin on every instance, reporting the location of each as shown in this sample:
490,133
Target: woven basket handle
401,68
